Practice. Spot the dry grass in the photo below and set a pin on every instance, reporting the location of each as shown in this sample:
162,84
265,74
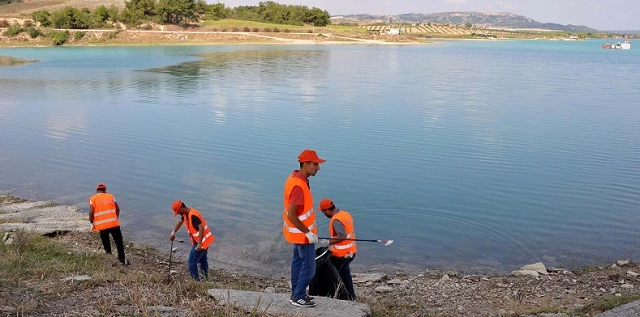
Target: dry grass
33,269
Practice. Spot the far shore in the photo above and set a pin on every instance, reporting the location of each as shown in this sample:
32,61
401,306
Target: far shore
113,37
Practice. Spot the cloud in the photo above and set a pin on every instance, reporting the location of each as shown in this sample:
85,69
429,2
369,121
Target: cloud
455,1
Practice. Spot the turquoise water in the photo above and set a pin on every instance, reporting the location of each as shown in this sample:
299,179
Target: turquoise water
475,156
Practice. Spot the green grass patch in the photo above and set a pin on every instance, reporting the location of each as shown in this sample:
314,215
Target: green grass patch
608,303
33,255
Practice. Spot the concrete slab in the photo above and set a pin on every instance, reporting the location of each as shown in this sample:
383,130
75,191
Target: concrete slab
278,304
628,310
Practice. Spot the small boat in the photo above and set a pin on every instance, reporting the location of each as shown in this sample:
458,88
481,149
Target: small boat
624,45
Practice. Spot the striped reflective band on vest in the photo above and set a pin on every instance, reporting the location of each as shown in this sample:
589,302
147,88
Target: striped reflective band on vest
295,230
207,233
345,246
102,213
302,218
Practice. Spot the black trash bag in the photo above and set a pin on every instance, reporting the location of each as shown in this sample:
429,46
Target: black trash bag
327,282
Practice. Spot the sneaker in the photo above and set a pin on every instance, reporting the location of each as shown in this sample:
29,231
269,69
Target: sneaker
125,262
303,302
307,297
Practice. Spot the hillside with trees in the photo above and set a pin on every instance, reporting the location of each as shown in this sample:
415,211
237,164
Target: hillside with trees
479,18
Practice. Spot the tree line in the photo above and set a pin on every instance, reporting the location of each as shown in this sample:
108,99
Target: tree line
178,12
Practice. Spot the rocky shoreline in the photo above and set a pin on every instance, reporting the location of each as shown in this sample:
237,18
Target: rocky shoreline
534,290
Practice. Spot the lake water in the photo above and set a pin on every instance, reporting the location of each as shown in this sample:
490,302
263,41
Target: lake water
475,156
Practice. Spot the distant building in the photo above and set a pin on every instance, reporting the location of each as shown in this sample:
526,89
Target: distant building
393,31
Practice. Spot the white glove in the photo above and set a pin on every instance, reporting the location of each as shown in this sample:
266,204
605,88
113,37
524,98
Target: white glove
324,243
92,228
312,237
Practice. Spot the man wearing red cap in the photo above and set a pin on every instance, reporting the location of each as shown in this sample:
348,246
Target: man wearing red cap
103,215
299,226
342,242
201,238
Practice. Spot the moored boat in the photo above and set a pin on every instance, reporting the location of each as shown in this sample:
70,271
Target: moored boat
624,45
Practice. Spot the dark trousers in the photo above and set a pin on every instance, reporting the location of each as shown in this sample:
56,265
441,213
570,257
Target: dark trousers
344,269
117,238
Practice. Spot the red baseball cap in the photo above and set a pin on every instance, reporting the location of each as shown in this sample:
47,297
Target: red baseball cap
325,204
310,156
101,186
176,206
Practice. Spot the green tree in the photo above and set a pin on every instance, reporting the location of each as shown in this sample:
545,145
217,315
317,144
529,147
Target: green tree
218,11
101,14
113,13
318,17
70,18
138,10
179,12
42,16
468,25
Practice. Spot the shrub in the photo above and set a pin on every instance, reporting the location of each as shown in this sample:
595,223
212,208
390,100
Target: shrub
13,30
245,29
286,30
309,31
223,30
59,37
234,29
112,35
4,24
276,30
78,35
27,23
33,32
43,17
256,30
266,30
146,26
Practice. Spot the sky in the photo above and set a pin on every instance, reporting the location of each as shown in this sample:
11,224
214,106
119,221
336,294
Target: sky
597,14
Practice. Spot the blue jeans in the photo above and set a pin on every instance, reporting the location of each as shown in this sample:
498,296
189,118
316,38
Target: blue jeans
195,258
303,267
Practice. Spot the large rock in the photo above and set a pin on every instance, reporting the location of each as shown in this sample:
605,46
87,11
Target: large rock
538,267
42,217
278,304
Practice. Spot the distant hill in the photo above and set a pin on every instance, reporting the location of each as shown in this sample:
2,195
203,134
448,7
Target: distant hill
479,18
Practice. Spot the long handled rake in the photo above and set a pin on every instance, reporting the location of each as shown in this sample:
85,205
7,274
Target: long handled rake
170,254
386,242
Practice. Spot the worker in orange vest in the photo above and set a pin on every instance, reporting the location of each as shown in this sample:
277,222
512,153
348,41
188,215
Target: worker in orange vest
299,226
342,251
201,238
103,215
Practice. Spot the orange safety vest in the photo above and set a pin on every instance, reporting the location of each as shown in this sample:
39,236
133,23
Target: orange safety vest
343,247
308,216
104,211
194,232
